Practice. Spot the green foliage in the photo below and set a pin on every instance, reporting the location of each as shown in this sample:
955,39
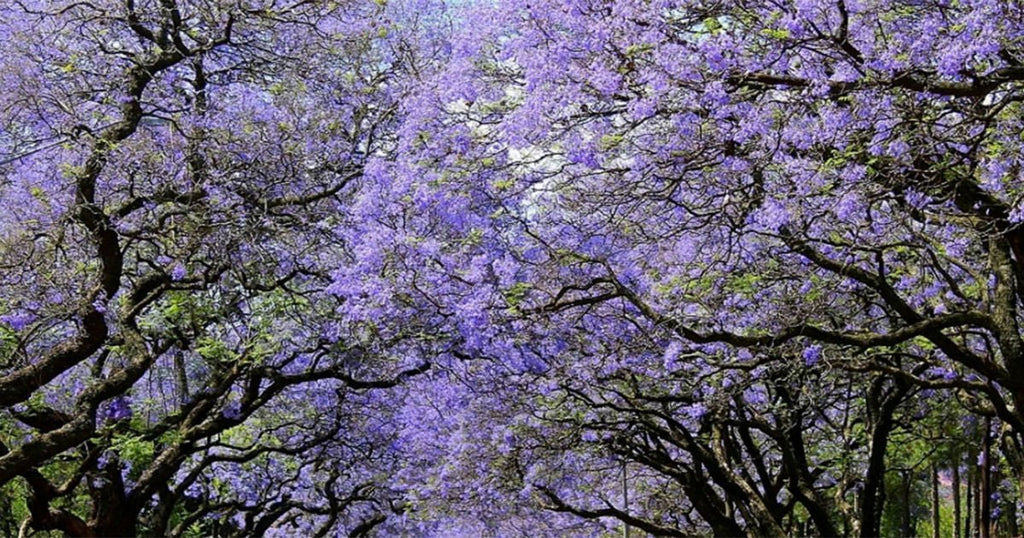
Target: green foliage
133,448
516,293
215,351
8,343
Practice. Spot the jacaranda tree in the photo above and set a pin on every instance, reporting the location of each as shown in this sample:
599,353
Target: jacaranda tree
739,254
173,177
557,267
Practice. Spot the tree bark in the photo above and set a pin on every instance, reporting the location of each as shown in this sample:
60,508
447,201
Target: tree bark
936,521
976,520
969,516
1011,519
985,484
873,498
956,497
905,530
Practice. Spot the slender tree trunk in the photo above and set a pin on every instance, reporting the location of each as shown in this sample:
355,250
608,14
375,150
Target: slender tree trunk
873,497
625,500
995,526
181,378
905,530
956,497
976,522
968,517
935,502
1011,519
985,489
972,498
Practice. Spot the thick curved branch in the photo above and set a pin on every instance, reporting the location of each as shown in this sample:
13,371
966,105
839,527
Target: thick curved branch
557,504
917,81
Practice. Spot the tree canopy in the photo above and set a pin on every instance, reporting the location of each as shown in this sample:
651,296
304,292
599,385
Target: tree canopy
558,267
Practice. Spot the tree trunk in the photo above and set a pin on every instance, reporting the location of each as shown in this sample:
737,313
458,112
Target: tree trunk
985,484
935,502
976,521
956,497
625,499
969,516
1011,519
905,530
882,408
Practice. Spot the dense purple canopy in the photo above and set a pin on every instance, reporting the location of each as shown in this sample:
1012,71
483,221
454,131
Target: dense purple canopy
556,267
